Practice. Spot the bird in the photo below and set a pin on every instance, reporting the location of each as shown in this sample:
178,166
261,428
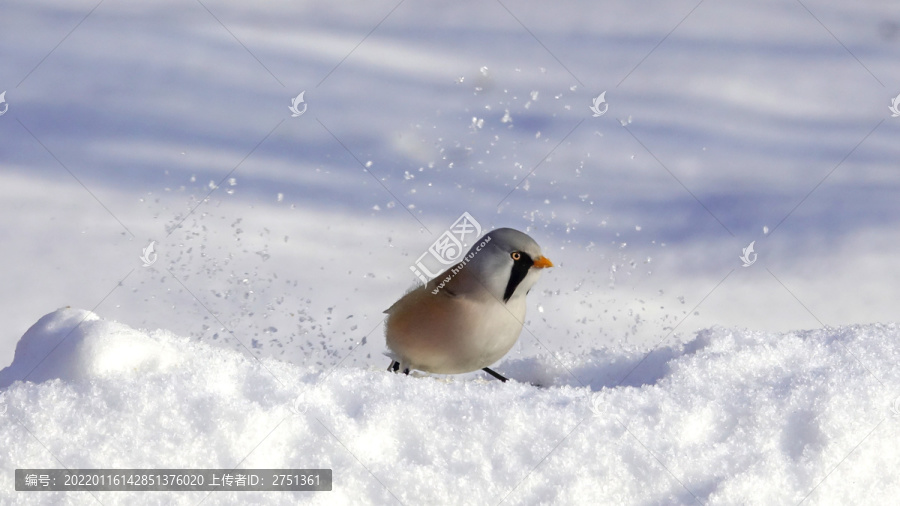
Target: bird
470,315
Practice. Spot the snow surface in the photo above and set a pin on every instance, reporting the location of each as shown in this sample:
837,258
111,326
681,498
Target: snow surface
129,120
727,417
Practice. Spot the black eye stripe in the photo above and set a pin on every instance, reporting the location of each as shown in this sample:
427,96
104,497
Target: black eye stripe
519,271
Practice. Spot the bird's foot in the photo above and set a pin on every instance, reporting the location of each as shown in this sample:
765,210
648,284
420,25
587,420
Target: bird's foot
495,374
395,367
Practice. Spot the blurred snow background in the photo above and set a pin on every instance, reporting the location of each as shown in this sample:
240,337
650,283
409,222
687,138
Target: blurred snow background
287,237
130,123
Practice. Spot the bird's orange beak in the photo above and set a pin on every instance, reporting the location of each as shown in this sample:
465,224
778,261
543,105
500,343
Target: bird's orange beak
542,262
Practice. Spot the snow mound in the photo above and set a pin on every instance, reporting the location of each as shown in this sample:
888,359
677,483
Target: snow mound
85,347
728,417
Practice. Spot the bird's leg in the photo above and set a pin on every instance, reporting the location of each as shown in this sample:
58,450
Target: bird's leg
495,374
395,367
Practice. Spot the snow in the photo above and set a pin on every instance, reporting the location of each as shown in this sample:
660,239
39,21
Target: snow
726,417
281,240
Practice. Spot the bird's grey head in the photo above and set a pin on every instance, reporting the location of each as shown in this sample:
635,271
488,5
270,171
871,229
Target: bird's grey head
507,262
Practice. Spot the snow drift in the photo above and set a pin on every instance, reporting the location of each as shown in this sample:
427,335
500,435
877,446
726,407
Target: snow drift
728,417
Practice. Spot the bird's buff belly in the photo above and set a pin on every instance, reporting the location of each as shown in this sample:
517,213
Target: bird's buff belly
453,342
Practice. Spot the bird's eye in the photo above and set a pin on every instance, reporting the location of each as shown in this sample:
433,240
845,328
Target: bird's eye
516,255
